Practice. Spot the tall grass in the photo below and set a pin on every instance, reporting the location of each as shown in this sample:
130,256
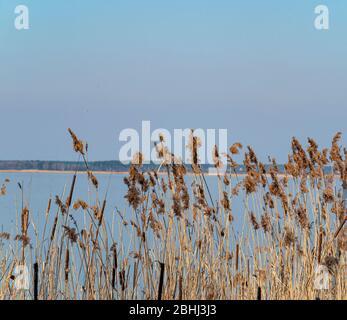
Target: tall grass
177,241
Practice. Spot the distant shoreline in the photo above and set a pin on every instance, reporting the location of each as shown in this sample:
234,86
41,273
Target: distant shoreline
113,167
102,167
207,174
63,171
104,172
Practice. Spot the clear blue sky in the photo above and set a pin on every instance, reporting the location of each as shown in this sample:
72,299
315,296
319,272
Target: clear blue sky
258,68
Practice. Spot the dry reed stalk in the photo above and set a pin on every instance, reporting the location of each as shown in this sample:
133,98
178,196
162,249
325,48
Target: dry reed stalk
67,263
180,288
320,240
122,279
259,293
115,266
69,199
36,281
289,227
237,258
340,227
161,280
54,227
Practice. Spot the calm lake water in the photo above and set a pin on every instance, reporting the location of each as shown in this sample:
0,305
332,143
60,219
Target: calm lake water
39,187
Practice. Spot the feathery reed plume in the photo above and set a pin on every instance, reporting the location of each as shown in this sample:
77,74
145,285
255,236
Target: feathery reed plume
138,159
22,238
235,148
225,202
71,234
253,220
93,179
77,144
216,158
335,149
294,219
331,263
61,205
265,222
80,204
289,237
193,146
3,190
328,195
4,236
302,217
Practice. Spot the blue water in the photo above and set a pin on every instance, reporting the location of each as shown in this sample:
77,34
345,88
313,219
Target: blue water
39,187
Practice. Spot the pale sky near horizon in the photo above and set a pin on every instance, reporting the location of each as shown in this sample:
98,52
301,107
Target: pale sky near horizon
257,68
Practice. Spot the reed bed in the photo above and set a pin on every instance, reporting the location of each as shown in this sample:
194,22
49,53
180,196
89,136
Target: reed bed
176,241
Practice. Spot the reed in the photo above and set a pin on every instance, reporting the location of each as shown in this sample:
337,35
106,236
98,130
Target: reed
291,224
